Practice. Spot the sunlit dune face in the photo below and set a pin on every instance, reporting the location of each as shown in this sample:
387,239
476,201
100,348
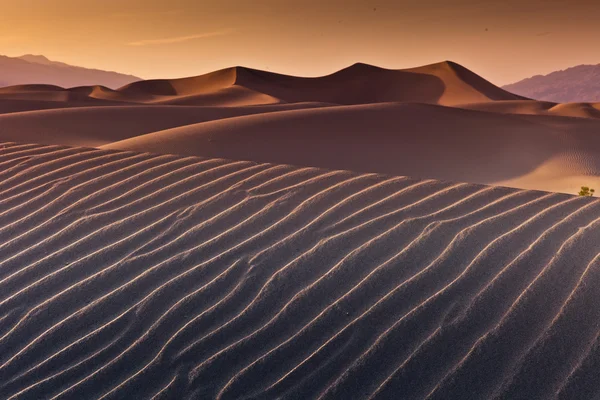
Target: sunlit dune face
504,41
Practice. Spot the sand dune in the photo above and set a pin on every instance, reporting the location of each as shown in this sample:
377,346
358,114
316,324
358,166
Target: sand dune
583,110
133,275
13,105
529,107
400,138
523,107
438,121
525,151
445,83
96,126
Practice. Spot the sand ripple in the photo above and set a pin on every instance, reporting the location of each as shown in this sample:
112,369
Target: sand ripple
134,275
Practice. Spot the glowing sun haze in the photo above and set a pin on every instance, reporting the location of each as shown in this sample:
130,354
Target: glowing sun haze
503,40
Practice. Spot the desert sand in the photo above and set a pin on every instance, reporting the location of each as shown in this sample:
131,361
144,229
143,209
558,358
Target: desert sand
138,275
444,83
370,234
438,121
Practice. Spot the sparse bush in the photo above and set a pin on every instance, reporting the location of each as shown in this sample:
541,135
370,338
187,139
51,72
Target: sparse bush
586,191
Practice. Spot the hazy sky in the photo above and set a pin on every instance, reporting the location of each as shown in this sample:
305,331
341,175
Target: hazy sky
503,40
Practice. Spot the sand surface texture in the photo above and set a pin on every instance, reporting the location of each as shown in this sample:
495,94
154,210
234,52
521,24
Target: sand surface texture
136,275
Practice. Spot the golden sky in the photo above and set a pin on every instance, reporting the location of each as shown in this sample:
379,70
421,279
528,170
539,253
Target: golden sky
503,40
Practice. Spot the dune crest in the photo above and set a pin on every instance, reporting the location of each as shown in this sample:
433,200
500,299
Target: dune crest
444,83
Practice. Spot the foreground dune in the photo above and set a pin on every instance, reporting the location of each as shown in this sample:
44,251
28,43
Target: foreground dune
137,275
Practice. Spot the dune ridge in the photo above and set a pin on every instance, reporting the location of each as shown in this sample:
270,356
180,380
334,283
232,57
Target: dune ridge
100,125
421,140
444,83
126,274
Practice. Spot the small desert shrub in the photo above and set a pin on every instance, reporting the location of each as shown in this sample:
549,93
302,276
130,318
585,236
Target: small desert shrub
586,191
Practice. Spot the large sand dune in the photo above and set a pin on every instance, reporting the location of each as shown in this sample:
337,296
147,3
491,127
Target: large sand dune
437,121
445,83
136,275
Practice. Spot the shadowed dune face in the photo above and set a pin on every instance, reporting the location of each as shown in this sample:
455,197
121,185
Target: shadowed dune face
233,96
358,84
185,86
136,275
464,86
30,87
444,83
41,97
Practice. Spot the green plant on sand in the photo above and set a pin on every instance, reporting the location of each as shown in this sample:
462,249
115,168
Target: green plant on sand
586,191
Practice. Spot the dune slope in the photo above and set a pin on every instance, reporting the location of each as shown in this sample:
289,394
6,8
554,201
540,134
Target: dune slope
535,152
544,152
530,107
437,121
445,83
133,275
100,125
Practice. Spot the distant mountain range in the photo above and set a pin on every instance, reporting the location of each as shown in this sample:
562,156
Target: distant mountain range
572,85
35,69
